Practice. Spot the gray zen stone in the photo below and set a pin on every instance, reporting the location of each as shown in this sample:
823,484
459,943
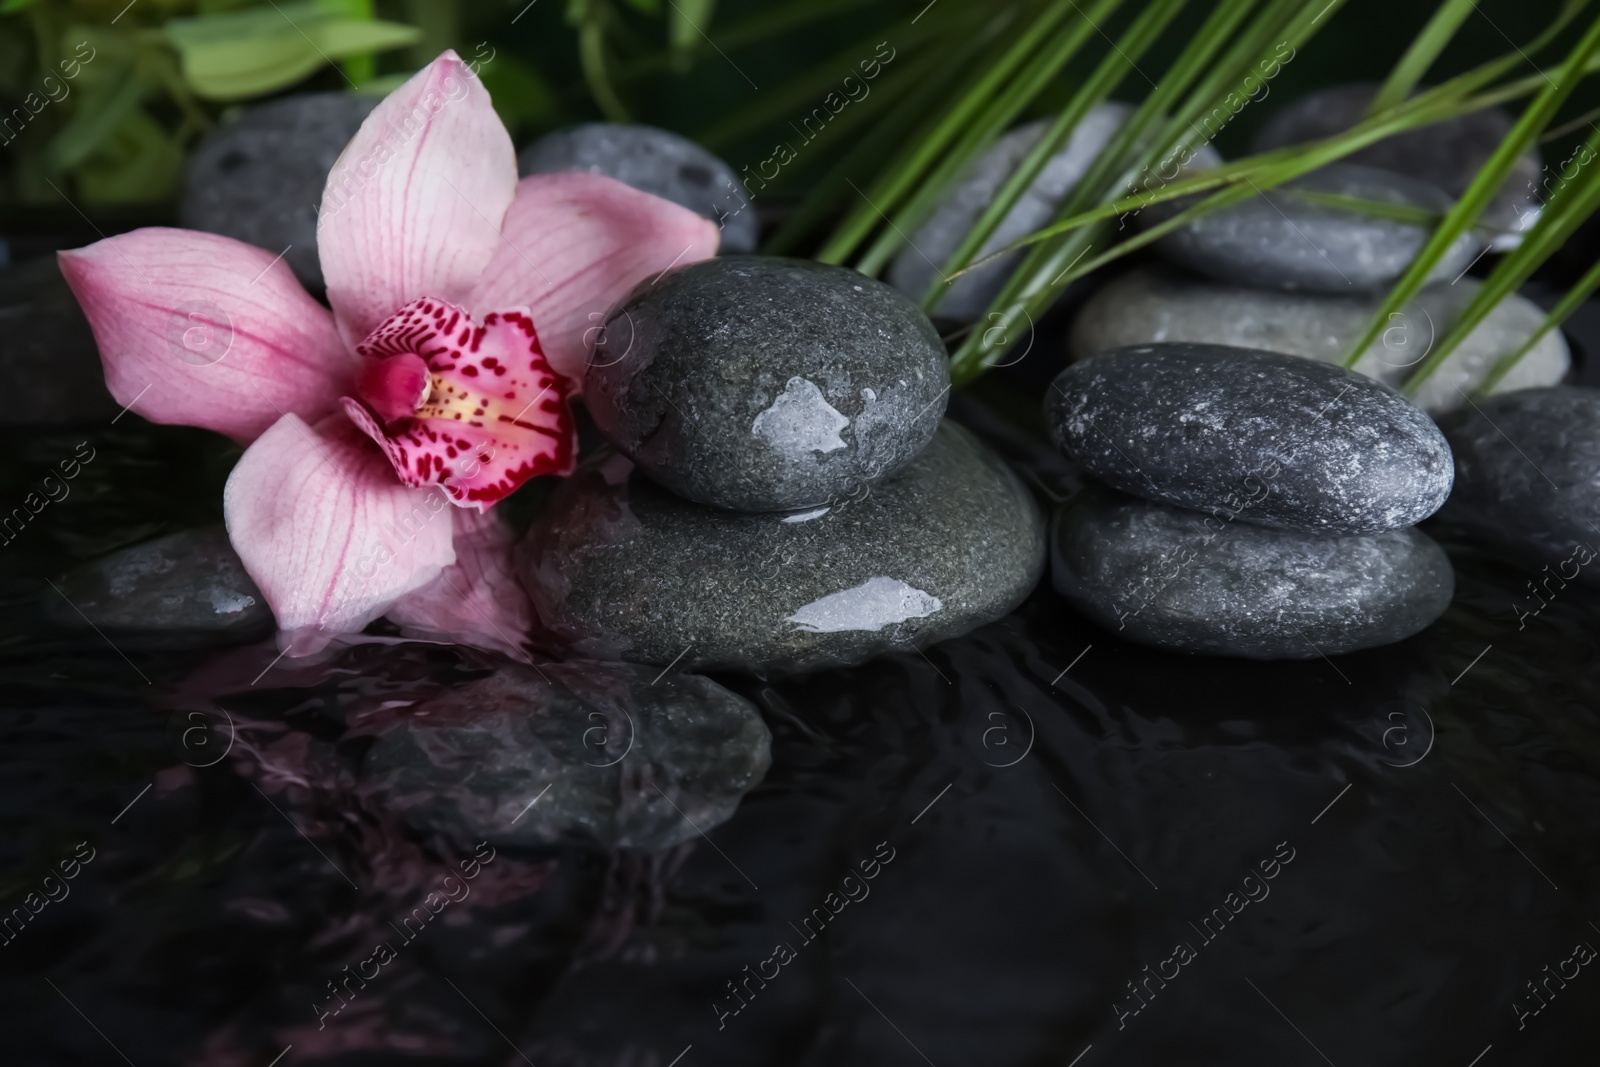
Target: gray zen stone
188,582
1166,577
1278,240
47,353
913,269
621,568
1154,304
611,755
656,161
1262,437
766,384
1446,154
1528,475
258,177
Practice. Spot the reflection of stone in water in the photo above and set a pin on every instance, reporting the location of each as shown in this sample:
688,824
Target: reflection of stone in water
574,750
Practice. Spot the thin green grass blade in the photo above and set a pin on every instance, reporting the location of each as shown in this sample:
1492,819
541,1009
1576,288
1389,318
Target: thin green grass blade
1049,268
1571,204
909,95
1028,84
1557,315
1477,196
1421,54
1094,91
886,193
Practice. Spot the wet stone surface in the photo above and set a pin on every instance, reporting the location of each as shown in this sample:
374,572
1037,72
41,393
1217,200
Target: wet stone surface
1528,476
620,568
1279,240
764,384
597,752
259,177
1168,577
1446,154
1153,304
930,247
1262,437
657,161
190,582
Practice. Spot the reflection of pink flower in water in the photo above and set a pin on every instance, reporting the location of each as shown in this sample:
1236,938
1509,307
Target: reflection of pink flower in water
429,382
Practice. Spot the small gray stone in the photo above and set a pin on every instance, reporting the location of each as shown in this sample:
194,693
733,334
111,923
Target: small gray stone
1528,474
659,162
258,177
1278,240
623,569
610,754
1165,577
1258,436
1446,154
188,582
913,269
1153,304
765,384
48,356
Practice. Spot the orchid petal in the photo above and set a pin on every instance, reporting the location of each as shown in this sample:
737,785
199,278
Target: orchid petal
414,204
477,600
575,245
202,330
493,413
328,533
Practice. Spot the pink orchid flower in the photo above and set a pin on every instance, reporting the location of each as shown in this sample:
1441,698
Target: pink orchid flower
441,377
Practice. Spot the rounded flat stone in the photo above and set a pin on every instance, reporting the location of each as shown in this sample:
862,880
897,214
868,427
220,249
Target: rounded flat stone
1279,240
764,384
1445,154
187,582
1265,438
612,754
913,269
259,176
621,569
1156,304
1528,476
656,161
1174,579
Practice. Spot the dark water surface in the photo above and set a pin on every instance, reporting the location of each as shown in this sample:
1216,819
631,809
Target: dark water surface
1053,819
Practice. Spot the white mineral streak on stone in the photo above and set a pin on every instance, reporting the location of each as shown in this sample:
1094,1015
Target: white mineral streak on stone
872,605
807,516
800,420
226,602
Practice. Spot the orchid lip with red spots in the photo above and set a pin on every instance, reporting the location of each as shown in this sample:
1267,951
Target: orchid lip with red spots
490,412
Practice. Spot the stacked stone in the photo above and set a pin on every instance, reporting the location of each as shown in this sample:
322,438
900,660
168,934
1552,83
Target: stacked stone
782,495
1291,271
1249,503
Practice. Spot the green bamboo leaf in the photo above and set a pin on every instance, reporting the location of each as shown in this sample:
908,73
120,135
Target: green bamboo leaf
687,22
1477,196
241,54
102,110
1421,53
